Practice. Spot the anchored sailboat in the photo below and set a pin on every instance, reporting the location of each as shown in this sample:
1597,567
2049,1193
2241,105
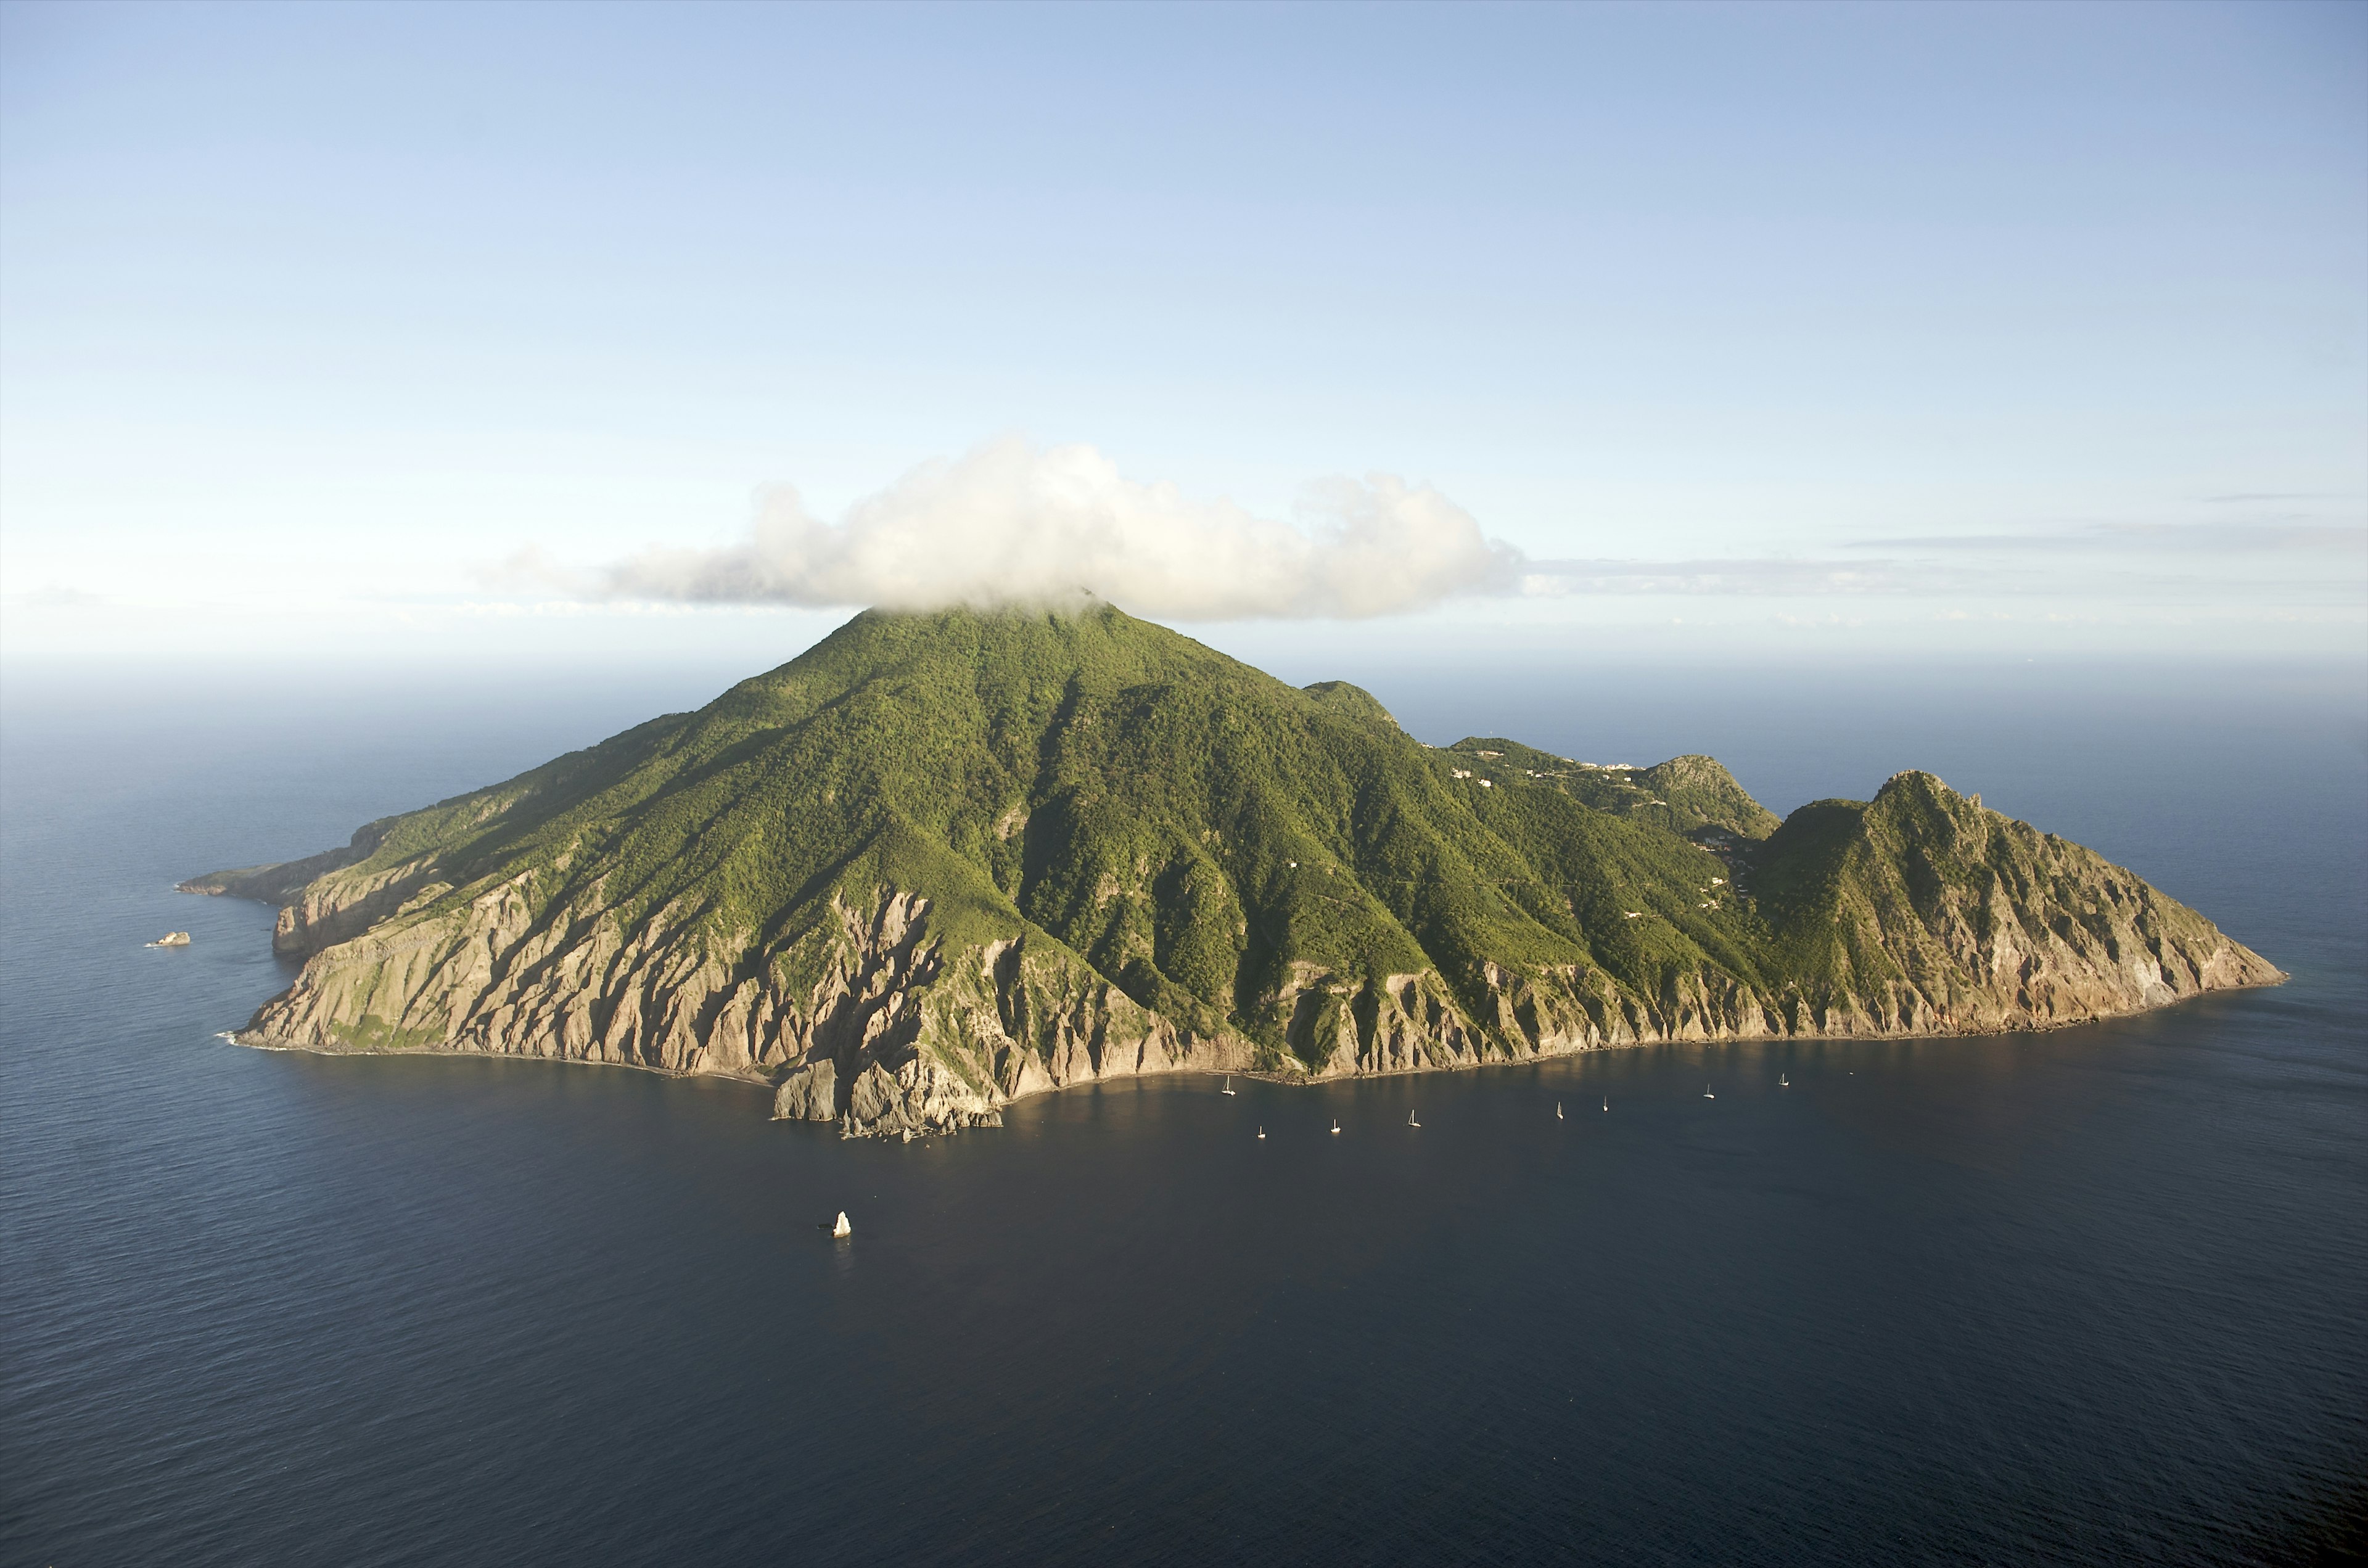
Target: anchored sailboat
1557,1111
1410,1121
1784,1081
1229,1085
1706,1093
1336,1124
1261,1132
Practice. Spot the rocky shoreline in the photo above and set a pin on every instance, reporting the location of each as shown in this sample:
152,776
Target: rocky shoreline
852,1126
897,1039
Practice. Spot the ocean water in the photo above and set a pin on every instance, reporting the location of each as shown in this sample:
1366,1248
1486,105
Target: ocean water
2096,1295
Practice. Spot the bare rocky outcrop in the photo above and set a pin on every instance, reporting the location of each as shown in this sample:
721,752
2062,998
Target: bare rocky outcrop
866,1019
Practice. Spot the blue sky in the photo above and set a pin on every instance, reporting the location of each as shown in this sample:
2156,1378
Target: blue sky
1862,331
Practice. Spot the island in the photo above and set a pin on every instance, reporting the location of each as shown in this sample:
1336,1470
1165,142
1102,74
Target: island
942,861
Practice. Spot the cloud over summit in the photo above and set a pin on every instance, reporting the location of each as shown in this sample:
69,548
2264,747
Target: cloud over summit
1008,523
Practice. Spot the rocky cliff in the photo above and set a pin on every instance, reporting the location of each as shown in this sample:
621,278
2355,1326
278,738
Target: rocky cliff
939,863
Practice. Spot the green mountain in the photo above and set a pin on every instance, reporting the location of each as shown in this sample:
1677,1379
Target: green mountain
941,861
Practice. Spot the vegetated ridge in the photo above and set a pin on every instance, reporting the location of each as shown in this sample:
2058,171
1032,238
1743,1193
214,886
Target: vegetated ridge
941,861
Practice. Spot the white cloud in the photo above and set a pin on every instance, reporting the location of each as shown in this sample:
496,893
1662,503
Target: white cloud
1009,523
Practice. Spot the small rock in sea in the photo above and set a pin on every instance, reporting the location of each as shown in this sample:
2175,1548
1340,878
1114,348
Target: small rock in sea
172,940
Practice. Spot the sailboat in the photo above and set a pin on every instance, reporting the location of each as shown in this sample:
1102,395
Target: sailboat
842,1228
1606,1102
1410,1121
1336,1124
1706,1093
1261,1132
1784,1081
1229,1085
1557,1111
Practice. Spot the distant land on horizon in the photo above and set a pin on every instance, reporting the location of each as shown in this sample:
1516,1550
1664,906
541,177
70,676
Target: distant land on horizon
941,861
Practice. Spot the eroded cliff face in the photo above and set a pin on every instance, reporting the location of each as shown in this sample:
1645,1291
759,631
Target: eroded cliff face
867,1019
1938,918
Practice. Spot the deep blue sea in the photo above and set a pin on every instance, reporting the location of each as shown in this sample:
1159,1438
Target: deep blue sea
2092,1296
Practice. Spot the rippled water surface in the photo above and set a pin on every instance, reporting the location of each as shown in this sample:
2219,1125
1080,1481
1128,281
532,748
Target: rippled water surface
2094,1295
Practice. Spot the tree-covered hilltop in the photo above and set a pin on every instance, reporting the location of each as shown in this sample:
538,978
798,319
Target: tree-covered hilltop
942,861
